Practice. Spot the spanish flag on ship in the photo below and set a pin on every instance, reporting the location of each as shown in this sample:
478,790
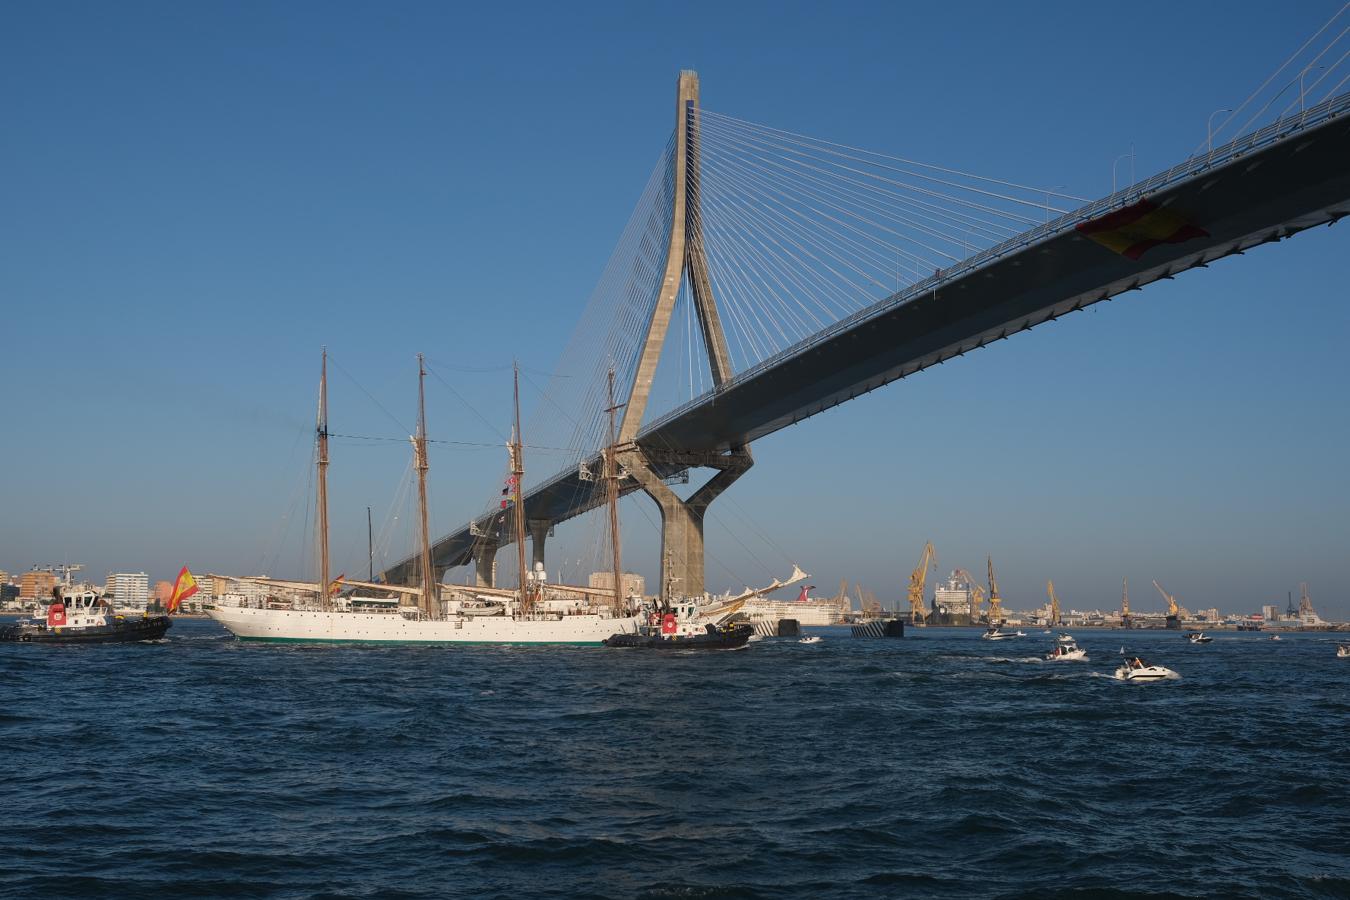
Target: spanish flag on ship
184,587
1138,228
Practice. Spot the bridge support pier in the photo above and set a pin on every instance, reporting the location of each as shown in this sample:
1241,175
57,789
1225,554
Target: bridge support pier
539,532
485,565
682,557
681,520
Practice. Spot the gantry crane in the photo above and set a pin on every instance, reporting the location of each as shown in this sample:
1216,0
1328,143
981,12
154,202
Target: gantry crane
1054,602
917,579
1173,619
976,593
995,601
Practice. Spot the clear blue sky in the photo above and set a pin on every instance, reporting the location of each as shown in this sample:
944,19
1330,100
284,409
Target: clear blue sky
196,197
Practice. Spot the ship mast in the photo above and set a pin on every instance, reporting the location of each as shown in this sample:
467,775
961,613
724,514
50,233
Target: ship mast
995,601
428,599
321,432
518,476
612,498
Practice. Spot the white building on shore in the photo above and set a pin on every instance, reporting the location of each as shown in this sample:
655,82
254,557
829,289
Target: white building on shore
128,590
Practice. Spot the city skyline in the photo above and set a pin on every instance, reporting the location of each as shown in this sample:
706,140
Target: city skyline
182,247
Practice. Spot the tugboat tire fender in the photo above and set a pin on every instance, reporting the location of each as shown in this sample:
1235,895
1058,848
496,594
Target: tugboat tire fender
25,638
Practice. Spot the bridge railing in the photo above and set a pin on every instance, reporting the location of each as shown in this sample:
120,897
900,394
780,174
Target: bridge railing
1277,131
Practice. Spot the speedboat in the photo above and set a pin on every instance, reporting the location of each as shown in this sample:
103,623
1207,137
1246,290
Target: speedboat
82,615
1343,651
1066,649
997,634
812,639
1136,669
1198,637
1276,637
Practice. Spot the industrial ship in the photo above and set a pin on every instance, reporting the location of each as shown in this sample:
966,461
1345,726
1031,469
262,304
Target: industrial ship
952,601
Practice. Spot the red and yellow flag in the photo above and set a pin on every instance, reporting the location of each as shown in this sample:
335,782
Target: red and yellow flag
336,587
183,588
1140,227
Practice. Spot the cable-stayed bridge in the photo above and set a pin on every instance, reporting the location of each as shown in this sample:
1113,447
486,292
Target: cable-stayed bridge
784,275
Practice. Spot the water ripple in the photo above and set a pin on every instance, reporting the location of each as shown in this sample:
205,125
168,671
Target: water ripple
927,767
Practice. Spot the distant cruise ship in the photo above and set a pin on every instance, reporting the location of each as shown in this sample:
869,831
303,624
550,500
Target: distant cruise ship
807,610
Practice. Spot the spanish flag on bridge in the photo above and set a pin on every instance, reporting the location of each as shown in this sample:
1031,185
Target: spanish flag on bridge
183,588
1136,229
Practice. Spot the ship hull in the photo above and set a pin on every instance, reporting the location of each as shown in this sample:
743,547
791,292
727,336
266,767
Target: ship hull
809,613
730,638
123,632
313,626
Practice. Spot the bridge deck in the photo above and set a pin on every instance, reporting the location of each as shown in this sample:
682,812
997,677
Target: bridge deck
1266,186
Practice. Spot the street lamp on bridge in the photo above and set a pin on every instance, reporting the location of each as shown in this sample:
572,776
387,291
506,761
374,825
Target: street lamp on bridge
1116,162
1209,128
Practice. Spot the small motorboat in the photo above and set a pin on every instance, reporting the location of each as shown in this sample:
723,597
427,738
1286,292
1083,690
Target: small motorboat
810,639
1136,669
1276,637
997,634
1198,637
1066,649
1343,651
82,615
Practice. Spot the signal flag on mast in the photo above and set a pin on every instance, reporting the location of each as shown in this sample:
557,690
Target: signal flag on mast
184,587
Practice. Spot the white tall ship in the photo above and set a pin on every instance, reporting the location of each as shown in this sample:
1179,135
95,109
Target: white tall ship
307,625
533,614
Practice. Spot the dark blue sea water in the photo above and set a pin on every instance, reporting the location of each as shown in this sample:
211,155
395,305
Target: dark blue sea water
935,766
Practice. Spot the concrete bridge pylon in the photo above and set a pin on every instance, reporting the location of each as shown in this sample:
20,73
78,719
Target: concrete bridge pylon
682,557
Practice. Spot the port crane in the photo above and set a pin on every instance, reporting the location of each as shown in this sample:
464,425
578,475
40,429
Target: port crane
1054,602
995,601
867,601
1172,602
976,593
842,597
917,579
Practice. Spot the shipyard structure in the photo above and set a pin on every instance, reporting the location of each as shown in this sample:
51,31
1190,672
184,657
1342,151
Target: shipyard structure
953,601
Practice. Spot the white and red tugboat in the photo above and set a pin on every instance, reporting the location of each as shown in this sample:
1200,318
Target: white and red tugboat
82,615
